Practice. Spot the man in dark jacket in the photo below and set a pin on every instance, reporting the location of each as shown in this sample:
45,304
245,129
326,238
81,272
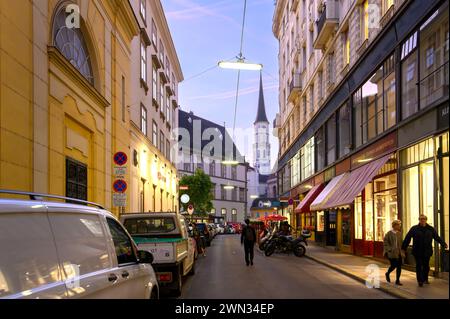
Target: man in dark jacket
422,235
248,238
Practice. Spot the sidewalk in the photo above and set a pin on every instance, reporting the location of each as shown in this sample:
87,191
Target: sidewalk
355,267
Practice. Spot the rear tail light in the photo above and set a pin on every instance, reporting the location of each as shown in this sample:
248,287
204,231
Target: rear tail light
165,277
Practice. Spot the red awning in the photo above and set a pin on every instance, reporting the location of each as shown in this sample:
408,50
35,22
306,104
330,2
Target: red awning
304,205
355,183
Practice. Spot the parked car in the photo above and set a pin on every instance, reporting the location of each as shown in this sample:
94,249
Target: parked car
220,229
203,229
59,250
166,236
213,230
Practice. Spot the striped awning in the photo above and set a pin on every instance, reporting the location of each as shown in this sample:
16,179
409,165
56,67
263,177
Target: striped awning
354,184
305,204
330,189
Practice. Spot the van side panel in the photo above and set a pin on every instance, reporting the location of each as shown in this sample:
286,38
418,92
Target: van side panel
28,259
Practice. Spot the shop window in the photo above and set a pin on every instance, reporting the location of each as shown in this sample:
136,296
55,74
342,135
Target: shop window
346,228
389,88
320,150
410,69
295,169
358,217
331,140
385,200
434,70
344,127
320,222
368,205
418,182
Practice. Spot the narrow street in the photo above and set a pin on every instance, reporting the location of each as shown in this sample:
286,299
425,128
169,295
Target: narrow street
222,274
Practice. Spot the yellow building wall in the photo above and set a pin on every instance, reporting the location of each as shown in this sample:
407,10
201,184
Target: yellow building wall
47,112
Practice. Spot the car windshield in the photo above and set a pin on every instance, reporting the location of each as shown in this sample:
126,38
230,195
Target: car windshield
201,227
148,225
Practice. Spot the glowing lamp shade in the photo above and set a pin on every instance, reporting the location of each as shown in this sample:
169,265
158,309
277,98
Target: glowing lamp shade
228,187
240,65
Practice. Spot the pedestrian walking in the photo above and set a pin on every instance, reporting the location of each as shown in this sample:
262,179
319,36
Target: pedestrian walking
248,238
393,251
201,247
422,250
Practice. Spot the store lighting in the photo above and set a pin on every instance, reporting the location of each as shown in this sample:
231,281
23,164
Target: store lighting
240,65
308,187
365,160
228,187
230,162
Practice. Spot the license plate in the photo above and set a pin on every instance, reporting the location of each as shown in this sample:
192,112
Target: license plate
160,252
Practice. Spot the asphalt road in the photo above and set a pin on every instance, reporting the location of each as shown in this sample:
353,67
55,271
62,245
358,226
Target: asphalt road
223,274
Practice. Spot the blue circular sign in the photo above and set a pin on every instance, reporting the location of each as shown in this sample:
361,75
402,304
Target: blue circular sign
120,186
120,158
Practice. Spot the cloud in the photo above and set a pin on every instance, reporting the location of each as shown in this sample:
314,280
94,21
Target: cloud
232,94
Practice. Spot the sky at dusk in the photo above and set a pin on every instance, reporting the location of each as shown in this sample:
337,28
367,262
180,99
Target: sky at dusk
207,31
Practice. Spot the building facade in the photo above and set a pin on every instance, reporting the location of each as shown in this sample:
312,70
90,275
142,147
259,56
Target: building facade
153,111
63,66
204,146
363,121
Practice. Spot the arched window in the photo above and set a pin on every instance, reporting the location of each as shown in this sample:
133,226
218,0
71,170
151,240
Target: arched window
70,42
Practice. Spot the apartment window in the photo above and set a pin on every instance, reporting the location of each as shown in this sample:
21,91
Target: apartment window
331,140
143,120
143,10
307,159
365,20
168,150
389,93
320,149
161,142
434,66
234,194
224,170
76,180
331,67
161,97
154,33
320,80
213,193
212,169
241,194
123,102
295,169
187,167
143,61
311,42
344,128
155,134
224,211
223,193
410,70
161,52
346,47
168,115
311,100
303,58
233,172
234,215
154,83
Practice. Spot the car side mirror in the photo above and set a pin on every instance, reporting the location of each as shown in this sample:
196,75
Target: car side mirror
145,257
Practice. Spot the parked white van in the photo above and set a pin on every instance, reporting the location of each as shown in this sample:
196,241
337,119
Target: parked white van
51,249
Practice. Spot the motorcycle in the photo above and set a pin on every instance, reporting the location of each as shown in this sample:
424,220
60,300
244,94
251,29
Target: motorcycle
286,244
266,239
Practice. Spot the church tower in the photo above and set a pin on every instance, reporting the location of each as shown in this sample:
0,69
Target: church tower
261,147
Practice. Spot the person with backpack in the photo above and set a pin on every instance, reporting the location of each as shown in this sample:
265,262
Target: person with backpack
248,238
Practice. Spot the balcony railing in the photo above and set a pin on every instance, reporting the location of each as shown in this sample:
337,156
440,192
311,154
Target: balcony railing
434,86
328,20
295,87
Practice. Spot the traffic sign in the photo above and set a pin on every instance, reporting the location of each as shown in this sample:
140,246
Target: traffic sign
185,198
119,200
190,209
120,158
184,188
120,186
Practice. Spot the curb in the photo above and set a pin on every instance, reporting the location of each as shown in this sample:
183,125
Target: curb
383,287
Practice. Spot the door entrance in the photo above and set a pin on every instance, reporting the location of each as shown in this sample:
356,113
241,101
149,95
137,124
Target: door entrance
330,226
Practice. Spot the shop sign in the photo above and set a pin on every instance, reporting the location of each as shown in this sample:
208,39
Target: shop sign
443,117
372,152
